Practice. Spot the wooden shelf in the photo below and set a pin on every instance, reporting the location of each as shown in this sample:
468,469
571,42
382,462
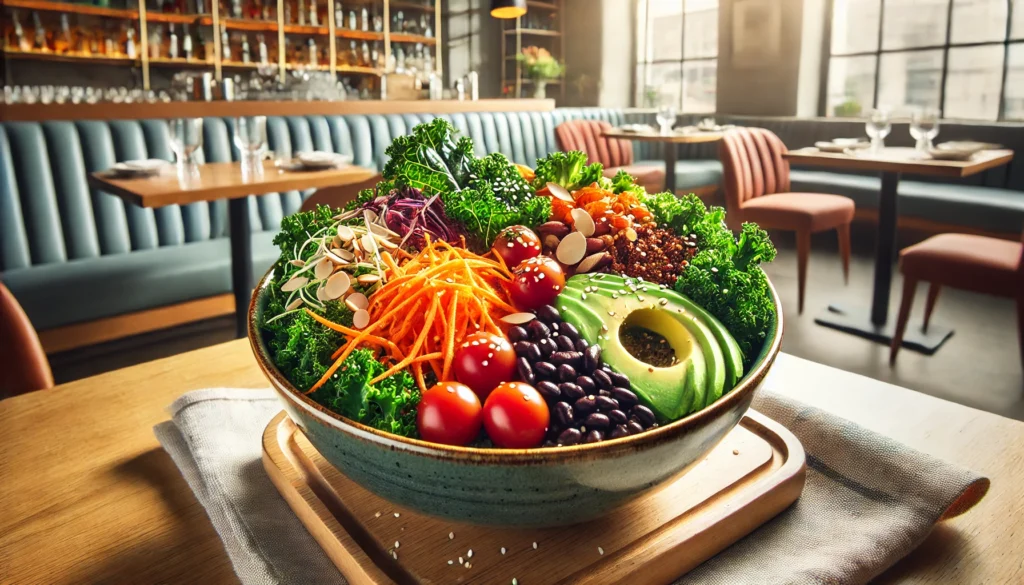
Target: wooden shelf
68,57
537,4
243,24
44,6
240,65
537,32
359,35
179,62
407,38
178,18
359,70
400,5
305,29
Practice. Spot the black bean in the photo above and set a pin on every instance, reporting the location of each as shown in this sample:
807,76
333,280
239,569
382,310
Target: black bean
564,343
621,380
597,420
567,357
549,314
571,392
521,347
570,330
618,417
563,414
618,432
584,406
592,358
603,379
603,392
525,371
594,436
581,345
547,347
625,397
570,437
518,333
566,373
634,427
538,330
545,369
549,390
643,414
533,353
587,383
605,404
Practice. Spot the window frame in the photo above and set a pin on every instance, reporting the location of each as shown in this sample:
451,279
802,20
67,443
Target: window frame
644,56
945,47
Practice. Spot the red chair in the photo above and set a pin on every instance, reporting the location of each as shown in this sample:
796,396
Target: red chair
975,263
615,154
23,363
756,179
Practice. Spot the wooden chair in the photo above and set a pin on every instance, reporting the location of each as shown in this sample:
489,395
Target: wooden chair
967,262
615,154
23,363
756,180
338,196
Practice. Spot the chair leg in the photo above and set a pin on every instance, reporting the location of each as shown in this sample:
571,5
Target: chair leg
909,287
1020,325
933,295
843,232
803,253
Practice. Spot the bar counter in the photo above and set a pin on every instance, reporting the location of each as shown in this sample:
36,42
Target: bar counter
144,111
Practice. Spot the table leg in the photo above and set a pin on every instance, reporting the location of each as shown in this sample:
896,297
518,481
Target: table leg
241,261
874,325
670,166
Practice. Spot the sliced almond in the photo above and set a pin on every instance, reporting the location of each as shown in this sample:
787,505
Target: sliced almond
583,222
337,285
368,279
345,233
560,192
356,301
590,262
321,294
295,283
370,216
631,234
551,241
336,257
367,243
518,318
360,319
324,268
386,243
572,249
294,304
381,230
298,263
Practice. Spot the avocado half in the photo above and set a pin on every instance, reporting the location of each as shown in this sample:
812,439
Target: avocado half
709,359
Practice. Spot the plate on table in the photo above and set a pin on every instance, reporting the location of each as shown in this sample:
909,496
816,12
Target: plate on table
841,145
636,128
318,160
139,168
967,145
953,153
709,125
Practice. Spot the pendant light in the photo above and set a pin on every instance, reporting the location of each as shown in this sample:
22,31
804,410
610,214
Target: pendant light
508,8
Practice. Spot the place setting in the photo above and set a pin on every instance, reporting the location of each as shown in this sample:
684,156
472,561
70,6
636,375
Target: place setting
313,161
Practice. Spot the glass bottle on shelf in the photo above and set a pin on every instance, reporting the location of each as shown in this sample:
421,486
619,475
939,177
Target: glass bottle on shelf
314,13
225,43
353,55
245,49
269,10
398,22
18,40
172,42
365,54
399,59
378,22
352,20
200,6
339,16
287,13
313,54
262,48
375,55
110,48
365,16
428,62
423,24
40,43
301,9
63,44
428,31
236,8
155,43
129,45
186,43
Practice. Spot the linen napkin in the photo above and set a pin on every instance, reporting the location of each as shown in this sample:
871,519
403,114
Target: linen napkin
868,500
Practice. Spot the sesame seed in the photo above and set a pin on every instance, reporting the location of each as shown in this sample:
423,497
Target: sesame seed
394,555
484,363
377,515
735,451
663,302
600,551
502,550
611,313
397,514
514,581
535,545
396,544
451,562
469,554
468,566
461,561
451,535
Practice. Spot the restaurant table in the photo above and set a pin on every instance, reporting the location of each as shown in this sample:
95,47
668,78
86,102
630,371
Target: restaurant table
891,163
224,180
670,141
89,496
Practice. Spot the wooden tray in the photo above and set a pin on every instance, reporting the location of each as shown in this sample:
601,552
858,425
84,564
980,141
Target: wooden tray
753,474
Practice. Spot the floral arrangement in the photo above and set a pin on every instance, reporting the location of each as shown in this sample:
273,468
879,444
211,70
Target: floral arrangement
539,64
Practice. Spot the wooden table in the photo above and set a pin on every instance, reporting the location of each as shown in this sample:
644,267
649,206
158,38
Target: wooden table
891,163
88,495
670,142
225,180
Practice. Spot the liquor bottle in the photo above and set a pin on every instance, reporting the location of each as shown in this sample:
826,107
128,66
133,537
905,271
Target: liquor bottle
353,54
225,44
287,13
236,8
428,63
172,42
63,43
378,22
155,43
129,46
423,24
374,56
267,9
262,48
200,6
314,16
255,11
339,15
400,60
365,14
427,30
301,9
18,40
352,20
313,60
40,43
398,22
365,54
245,49
186,43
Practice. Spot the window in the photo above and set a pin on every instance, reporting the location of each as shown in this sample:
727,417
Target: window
963,57
677,54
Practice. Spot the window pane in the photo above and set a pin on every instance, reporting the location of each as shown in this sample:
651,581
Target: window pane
914,23
973,82
1015,84
699,86
1017,30
851,85
911,79
666,80
665,18
978,21
701,36
855,26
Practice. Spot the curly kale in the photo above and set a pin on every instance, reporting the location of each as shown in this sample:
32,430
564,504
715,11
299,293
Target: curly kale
568,169
483,214
503,176
430,159
624,182
687,215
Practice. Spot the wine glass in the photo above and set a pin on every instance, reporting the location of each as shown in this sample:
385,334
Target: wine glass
251,138
666,118
878,127
186,136
924,127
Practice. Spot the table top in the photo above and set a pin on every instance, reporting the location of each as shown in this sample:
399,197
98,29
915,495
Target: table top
901,161
655,136
221,181
89,496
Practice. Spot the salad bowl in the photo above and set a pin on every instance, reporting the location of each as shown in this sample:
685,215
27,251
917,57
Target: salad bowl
512,487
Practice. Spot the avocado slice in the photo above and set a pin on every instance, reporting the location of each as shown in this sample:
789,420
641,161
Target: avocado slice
709,360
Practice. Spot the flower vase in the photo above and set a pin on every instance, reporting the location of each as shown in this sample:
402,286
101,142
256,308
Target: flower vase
540,89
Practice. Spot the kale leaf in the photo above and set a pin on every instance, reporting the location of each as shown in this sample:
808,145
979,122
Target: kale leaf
624,182
483,214
568,169
430,159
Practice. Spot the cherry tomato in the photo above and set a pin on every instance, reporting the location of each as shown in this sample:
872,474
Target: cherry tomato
515,244
535,283
449,413
483,361
516,416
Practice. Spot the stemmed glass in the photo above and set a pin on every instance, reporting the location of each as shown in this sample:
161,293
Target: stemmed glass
666,118
251,139
878,127
186,136
924,127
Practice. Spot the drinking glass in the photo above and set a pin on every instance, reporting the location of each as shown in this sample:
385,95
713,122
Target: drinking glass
666,118
186,135
251,139
878,127
924,127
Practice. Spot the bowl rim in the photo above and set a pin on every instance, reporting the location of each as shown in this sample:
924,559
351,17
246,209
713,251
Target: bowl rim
647,439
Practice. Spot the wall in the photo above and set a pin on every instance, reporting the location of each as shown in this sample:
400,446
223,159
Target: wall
472,41
599,52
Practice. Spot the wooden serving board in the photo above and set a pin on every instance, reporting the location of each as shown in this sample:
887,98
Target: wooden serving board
753,474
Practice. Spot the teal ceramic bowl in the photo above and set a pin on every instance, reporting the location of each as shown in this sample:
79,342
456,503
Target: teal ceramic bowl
507,487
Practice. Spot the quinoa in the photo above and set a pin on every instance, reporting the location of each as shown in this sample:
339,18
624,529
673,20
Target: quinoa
657,255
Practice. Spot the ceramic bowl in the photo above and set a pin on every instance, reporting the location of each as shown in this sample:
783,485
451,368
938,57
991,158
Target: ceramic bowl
507,487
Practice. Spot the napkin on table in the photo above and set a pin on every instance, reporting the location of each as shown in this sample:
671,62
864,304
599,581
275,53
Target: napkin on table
868,500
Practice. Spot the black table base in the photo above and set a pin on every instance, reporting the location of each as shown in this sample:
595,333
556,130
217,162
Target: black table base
241,261
670,166
856,320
